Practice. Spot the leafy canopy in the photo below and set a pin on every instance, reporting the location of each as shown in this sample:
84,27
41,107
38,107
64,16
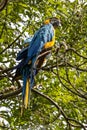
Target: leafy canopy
60,100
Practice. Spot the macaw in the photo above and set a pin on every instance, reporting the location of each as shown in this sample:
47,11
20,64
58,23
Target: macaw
42,40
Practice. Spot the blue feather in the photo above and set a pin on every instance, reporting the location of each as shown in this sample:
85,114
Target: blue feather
28,40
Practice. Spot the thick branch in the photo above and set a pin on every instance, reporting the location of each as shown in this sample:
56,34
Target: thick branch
41,55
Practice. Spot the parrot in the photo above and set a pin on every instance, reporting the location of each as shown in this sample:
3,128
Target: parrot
43,40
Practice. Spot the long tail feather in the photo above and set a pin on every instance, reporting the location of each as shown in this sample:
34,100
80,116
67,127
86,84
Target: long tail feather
27,94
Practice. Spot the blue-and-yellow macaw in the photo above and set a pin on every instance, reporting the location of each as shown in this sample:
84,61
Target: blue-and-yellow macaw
42,40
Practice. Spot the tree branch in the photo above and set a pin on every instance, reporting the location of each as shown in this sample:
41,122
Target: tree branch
75,51
3,3
16,92
41,55
15,40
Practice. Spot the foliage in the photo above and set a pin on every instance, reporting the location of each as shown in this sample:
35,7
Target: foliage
59,101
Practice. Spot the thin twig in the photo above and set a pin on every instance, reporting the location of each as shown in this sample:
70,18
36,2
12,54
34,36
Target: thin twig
75,51
3,3
14,40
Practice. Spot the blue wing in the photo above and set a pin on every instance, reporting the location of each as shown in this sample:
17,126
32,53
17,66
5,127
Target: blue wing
22,54
41,37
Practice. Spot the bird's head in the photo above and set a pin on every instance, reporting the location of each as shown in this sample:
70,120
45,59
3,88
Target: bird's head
54,21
